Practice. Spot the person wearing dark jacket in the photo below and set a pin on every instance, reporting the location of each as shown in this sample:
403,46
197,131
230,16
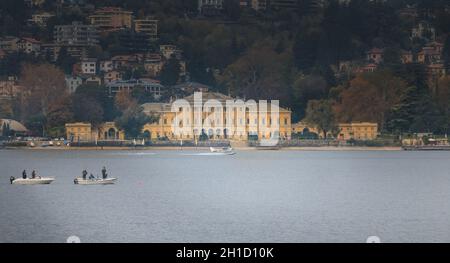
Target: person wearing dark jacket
33,174
104,174
84,174
24,174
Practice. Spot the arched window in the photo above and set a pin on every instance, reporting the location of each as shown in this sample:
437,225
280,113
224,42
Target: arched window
147,134
112,134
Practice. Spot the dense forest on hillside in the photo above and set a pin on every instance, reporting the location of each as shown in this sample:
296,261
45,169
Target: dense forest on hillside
315,52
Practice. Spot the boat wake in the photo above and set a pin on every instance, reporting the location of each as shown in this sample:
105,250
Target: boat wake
206,154
132,154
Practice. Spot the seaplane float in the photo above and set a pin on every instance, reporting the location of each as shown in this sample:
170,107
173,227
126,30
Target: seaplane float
94,181
222,150
32,181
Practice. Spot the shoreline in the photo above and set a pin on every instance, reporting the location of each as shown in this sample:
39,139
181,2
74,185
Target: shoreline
188,148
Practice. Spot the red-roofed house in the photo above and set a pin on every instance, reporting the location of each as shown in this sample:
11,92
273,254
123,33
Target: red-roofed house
29,45
406,57
375,55
428,55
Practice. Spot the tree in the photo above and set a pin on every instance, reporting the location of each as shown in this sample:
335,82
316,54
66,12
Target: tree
65,61
123,100
305,88
6,109
59,113
100,95
320,114
87,109
133,120
6,131
261,73
305,50
45,85
392,59
232,9
370,97
170,72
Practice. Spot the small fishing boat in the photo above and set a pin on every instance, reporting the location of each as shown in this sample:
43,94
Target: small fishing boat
222,150
94,181
32,181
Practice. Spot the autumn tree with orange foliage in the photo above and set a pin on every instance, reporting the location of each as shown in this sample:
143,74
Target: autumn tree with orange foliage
45,84
369,97
124,100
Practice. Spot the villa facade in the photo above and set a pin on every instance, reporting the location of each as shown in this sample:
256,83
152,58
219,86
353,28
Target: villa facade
248,123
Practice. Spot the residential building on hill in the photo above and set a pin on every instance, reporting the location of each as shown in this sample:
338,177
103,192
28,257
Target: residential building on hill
75,34
40,19
9,88
210,7
150,86
106,65
29,45
9,43
424,30
168,50
110,19
147,26
73,82
89,66
375,55
406,57
112,76
153,64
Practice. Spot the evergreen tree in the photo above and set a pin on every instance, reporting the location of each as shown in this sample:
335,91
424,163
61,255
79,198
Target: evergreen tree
446,53
305,50
416,113
170,72
65,61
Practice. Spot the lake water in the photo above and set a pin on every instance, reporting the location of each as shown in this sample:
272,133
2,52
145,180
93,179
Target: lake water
253,196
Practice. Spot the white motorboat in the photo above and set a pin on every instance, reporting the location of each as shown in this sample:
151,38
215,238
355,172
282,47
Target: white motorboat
222,150
94,181
32,181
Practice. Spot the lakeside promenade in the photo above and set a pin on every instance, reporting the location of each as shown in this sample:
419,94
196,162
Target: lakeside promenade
203,148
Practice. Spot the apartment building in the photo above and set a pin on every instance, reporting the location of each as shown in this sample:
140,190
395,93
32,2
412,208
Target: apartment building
111,19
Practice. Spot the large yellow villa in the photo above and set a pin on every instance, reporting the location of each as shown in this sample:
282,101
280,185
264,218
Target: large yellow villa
215,123
246,121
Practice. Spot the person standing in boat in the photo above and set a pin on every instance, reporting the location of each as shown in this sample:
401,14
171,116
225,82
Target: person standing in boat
84,173
33,174
24,174
104,174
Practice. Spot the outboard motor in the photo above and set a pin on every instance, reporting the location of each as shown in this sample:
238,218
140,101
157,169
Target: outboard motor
11,179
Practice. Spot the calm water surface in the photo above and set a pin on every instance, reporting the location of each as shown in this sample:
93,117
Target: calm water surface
253,196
